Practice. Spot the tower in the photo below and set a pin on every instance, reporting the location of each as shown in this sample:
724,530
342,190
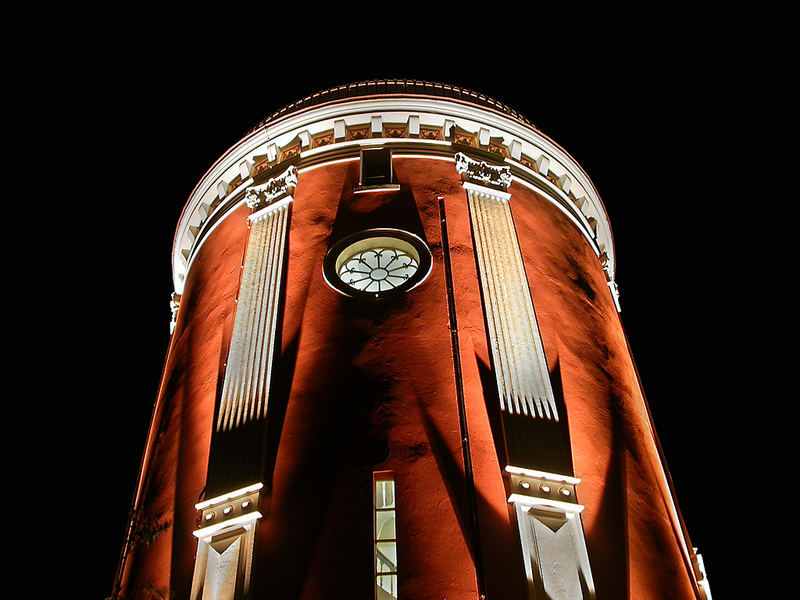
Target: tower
397,370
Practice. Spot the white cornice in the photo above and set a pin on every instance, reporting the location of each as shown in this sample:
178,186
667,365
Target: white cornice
563,180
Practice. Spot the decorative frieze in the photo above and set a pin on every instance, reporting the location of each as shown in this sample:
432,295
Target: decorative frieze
431,133
395,131
323,140
361,132
414,122
462,137
290,151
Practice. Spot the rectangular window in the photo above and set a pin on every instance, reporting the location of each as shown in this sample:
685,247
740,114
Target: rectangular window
385,537
376,166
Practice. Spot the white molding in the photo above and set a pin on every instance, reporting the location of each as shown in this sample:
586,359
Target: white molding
212,530
418,112
265,211
229,496
486,192
567,508
554,477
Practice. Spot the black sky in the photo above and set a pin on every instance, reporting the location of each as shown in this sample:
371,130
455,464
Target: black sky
644,114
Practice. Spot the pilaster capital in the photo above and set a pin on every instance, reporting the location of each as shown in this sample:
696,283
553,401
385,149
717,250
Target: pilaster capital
482,174
612,285
174,306
260,196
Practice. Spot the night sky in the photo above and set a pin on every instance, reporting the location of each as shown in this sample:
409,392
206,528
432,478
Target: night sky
642,114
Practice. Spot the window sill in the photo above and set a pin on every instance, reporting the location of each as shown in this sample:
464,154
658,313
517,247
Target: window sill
381,187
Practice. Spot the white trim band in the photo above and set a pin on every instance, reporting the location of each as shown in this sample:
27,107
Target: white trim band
567,508
229,496
542,475
523,143
211,530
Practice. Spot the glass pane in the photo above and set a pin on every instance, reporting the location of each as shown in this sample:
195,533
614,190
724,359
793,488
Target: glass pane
384,525
385,537
384,493
387,585
378,269
386,557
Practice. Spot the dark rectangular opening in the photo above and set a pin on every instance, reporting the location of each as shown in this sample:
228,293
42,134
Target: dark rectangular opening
376,166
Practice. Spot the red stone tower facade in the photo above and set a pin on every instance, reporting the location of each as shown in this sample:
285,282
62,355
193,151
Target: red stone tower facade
397,370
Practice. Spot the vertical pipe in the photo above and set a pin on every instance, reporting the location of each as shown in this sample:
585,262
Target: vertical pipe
462,415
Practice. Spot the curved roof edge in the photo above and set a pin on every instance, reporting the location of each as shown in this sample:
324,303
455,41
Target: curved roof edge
393,87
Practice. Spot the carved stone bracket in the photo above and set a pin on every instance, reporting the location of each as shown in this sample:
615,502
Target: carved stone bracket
482,173
612,285
174,306
259,196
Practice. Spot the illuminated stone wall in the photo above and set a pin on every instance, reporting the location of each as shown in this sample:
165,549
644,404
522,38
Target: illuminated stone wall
361,386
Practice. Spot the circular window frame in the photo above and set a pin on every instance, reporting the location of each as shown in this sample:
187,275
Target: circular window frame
345,248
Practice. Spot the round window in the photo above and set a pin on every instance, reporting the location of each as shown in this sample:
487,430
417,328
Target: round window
377,263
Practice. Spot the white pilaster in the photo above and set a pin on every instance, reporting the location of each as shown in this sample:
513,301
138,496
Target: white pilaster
521,370
248,372
225,538
547,512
